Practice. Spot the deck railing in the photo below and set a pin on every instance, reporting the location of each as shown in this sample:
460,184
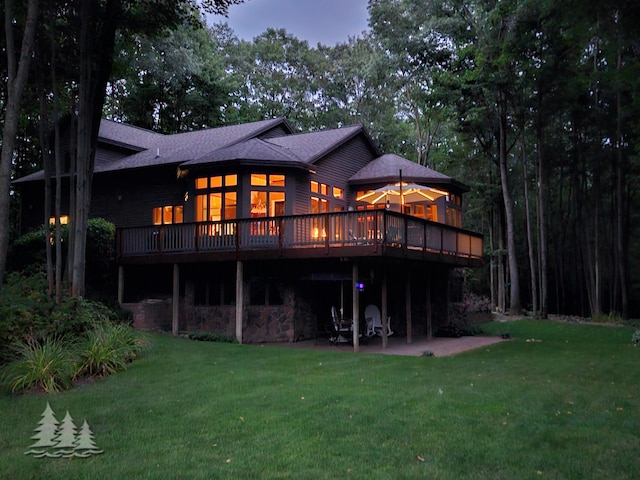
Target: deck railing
338,229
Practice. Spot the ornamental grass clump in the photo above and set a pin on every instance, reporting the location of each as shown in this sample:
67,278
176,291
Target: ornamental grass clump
45,364
107,349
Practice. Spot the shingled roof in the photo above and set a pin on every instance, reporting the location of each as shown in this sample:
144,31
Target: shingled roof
125,135
250,151
386,169
183,147
312,146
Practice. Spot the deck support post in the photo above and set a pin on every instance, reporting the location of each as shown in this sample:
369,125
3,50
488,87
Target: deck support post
120,284
356,307
407,297
175,302
428,299
239,299
384,313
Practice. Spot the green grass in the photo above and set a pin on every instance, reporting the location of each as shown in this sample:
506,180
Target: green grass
565,407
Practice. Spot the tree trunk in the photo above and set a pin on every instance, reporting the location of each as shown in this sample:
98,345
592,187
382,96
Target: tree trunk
46,162
16,79
620,201
542,224
514,307
97,36
532,254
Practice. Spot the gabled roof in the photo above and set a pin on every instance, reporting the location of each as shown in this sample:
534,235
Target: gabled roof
250,151
184,147
386,169
312,146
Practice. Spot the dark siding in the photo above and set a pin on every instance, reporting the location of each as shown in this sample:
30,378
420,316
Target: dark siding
128,198
278,131
336,168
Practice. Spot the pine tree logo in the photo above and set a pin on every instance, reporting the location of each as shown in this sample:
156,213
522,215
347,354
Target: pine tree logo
62,439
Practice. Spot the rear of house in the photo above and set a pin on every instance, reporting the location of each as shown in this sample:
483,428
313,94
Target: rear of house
255,231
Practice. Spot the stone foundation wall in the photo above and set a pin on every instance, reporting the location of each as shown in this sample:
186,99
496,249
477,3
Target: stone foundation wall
151,314
215,319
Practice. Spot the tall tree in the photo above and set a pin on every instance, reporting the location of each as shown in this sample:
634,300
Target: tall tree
17,72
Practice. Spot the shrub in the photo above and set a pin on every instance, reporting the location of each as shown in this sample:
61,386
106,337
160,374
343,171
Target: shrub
211,337
24,311
107,349
636,338
45,364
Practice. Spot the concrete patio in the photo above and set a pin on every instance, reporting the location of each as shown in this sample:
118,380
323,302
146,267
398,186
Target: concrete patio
439,346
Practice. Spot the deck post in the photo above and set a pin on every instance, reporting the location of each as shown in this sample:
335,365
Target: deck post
175,303
385,317
356,307
120,284
239,299
407,297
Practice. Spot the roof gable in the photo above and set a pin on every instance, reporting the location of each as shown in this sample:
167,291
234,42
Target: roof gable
250,151
312,146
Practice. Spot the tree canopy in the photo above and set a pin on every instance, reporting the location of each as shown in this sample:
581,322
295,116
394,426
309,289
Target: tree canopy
533,104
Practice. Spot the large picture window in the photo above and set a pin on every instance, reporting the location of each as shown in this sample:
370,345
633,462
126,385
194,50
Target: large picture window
267,200
216,198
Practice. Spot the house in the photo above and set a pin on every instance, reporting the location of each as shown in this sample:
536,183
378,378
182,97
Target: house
256,231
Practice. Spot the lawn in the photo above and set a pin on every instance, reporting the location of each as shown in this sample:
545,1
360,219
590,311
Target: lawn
558,401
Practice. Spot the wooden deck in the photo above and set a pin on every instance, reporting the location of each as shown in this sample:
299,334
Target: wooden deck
338,234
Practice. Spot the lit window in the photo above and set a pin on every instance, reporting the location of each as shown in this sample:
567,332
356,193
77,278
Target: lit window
215,182
258,204
230,205
231,180
259,179
215,207
324,190
201,183
64,220
338,192
276,180
276,204
314,186
167,215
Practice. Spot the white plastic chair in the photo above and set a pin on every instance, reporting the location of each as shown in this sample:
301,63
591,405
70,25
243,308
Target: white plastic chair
374,322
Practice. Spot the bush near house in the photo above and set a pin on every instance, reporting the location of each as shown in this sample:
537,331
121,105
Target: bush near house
27,254
47,346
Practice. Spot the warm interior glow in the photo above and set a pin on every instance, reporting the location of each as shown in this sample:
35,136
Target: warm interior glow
231,180
276,180
64,220
259,179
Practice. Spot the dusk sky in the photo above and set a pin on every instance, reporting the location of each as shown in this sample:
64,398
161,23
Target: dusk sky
325,21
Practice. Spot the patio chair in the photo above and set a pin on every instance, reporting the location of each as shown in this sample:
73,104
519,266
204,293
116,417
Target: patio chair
342,329
374,322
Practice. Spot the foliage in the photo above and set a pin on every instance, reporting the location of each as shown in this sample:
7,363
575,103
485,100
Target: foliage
107,348
27,254
25,310
41,364
212,337
636,338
